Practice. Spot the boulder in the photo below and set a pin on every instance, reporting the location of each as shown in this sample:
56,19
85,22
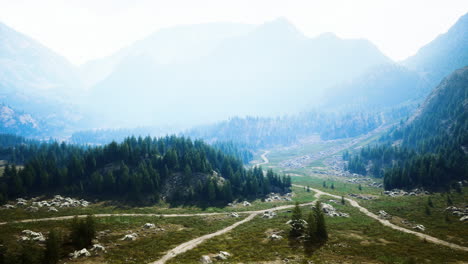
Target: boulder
149,226
205,259
234,214
223,255
245,203
98,248
80,253
269,214
9,206
32,209
130,237
33,236
419,227
383,214
275,237
52,209
464,218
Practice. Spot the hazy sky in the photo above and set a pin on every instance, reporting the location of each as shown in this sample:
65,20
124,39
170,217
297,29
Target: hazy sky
86,29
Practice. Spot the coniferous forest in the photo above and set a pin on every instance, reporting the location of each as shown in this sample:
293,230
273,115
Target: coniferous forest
140,170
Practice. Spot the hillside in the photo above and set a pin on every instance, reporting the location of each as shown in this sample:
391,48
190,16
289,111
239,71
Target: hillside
175,170
430,149
443,55
383,86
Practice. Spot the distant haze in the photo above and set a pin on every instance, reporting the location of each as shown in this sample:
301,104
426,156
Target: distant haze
84,30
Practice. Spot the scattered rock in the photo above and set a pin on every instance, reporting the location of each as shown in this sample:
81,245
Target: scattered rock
329,210
32,209
130,237
206,259
234,214
269,214
98,248
149,226
52,209
275,237
419,227
31,235
80,253
223,255
384,215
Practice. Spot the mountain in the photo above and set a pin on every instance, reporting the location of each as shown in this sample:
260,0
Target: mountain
383,86
14,122
37,80
169,45
430,149
443,55
270,69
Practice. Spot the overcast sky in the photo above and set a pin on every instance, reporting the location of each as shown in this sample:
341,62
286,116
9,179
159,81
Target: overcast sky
82,30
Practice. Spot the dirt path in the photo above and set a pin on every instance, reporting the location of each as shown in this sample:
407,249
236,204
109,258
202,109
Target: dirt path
264,158
387,223
184,247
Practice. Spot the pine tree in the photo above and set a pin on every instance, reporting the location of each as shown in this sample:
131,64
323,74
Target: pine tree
343,202
53,247
311,231
297,223
322,233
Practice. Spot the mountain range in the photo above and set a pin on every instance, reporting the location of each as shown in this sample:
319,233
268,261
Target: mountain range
209,72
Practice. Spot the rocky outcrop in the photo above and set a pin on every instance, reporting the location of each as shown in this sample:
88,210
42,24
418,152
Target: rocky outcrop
329,210
80,253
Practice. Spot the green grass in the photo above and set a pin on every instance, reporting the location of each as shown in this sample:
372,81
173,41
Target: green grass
150,244
19,213
412,208
356,239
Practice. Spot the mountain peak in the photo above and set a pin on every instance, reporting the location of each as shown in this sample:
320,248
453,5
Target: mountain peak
278,26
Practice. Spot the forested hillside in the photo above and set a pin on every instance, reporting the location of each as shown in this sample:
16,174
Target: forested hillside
258,132
431,148
142,170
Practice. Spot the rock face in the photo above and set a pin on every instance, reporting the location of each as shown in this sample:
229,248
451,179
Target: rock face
205,260
80,253
329,210
130,237
28,235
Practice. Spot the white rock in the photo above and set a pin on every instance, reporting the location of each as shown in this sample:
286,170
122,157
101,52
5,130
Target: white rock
206,259
32,209
245,203
464,218
80,253
98,247
130,237
419,227
234,214
31,235
269,214
9,206
52,209
149,226
275,237
223,255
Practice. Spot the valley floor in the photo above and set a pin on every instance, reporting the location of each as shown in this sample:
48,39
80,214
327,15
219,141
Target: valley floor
185,234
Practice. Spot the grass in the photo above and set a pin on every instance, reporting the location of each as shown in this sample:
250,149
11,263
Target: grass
358,239
19,213
150,244
412,208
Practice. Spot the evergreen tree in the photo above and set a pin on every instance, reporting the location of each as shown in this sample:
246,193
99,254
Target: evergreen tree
297,223
322,233
53,248
311,231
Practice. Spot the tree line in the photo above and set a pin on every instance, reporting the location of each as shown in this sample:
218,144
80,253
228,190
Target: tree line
138,170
